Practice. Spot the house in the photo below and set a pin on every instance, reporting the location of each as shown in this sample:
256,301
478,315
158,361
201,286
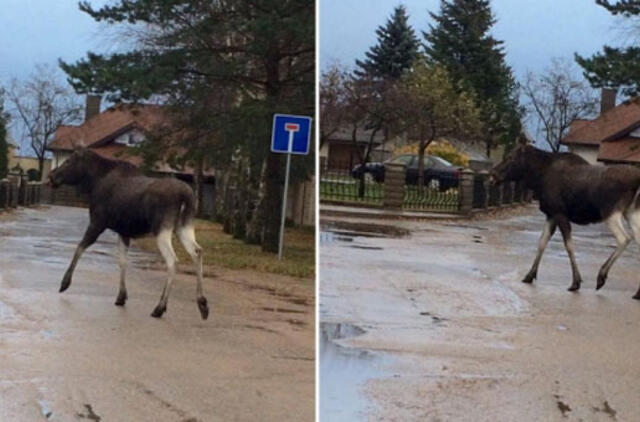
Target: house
115,133
341,152
612,137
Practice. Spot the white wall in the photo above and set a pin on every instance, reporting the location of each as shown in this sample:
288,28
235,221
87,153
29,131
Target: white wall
59,157
588,152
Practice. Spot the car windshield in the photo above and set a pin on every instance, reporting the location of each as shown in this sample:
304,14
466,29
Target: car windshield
401,159
441,161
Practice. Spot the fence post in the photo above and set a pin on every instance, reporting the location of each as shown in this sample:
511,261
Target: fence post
394,180
486,186
13,186
4,193
466,191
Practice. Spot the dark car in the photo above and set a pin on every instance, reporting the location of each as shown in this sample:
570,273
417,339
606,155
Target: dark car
438,172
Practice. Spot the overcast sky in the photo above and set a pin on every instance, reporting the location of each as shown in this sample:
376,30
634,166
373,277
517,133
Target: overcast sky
42,31
533,31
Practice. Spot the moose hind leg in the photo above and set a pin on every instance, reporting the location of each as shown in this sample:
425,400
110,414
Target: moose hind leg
169,255
634,222
616,225
548,231
187,237
565,229
123,248
90,236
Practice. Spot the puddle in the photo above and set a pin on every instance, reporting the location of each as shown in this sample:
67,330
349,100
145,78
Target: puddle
370,248
350,229
282,310
343,372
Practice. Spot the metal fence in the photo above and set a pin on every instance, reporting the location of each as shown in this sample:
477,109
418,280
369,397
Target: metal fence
340,185
460,193
441,193
485,195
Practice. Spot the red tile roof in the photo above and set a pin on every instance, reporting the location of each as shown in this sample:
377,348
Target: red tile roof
98,132
613,124
622,150
106,125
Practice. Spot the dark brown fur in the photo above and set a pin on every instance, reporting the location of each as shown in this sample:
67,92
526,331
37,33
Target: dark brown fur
570,190
125,201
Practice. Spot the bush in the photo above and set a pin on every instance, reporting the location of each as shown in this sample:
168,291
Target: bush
33,175
441,148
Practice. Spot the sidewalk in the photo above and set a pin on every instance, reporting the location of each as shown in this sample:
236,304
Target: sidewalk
331,210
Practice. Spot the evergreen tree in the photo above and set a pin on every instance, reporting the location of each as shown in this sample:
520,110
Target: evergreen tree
615,67
193,50
4,146
396,50
461,42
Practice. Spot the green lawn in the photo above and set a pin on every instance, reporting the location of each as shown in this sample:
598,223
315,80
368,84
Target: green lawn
222,250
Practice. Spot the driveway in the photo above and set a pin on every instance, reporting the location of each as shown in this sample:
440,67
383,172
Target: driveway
437,326
76,356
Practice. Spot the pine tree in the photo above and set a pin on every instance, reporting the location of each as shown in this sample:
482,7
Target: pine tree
461,42
263,50
615,67
396,50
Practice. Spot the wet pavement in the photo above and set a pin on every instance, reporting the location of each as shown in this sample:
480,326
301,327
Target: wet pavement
440,328
76,356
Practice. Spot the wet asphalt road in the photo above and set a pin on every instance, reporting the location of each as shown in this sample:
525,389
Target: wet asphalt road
76,356
437,326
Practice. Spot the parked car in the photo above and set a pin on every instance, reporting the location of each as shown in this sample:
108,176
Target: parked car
438,172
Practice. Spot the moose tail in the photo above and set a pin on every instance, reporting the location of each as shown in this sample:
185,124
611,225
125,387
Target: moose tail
187,208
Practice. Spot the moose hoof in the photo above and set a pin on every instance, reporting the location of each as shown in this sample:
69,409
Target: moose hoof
529,278
602,278
66,282
157,313
204,308
122,299
637,296
574,287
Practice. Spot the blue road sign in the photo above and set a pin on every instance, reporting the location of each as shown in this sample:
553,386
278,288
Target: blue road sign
291,134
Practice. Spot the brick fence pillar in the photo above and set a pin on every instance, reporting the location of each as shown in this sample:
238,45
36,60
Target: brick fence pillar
466,191
13,187
4,194
394,178
486,185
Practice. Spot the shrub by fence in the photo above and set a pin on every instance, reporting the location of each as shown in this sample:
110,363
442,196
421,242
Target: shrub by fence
463,193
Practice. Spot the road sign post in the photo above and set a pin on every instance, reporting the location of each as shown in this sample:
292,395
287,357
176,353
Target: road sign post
291,135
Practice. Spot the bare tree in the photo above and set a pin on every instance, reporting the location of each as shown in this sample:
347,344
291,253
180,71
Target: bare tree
556,98
40,105
366,115
332,102
427,107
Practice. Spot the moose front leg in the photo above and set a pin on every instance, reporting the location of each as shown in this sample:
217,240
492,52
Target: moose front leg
547,232
123,248
565,229
90,236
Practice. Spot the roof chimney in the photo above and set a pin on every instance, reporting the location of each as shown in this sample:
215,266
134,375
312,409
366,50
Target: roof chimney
607,99
93,106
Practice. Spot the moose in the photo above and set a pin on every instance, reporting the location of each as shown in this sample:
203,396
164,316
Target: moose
570,190
124,200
